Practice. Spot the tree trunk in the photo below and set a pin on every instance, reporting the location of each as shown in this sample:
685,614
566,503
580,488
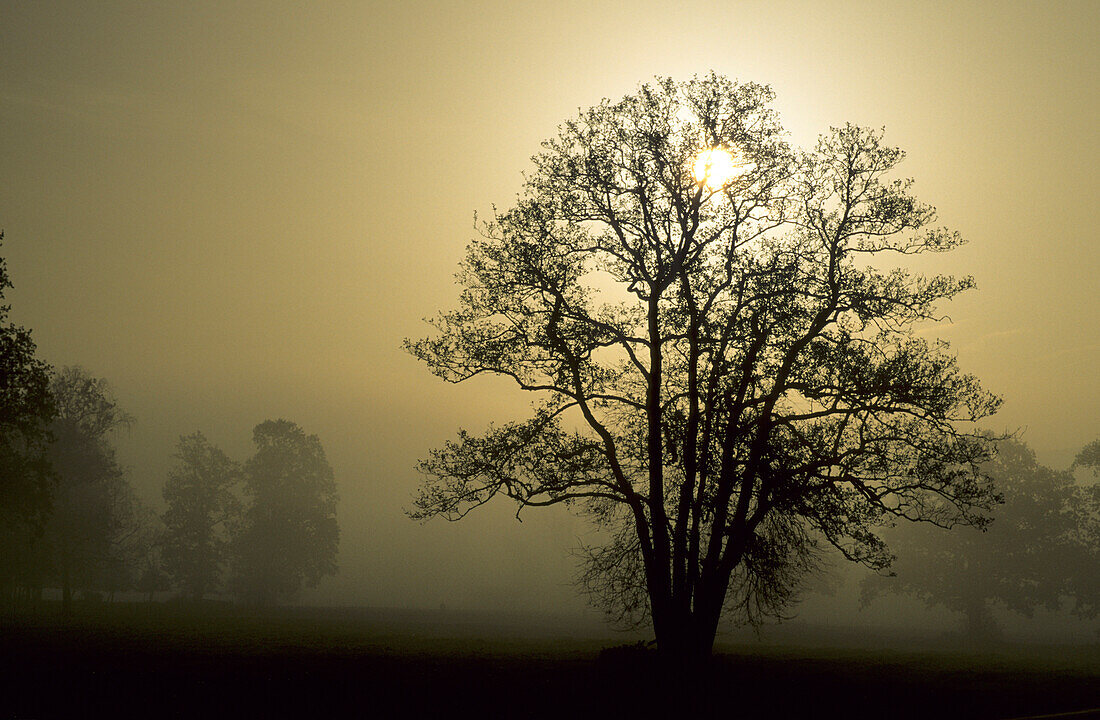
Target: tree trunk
686,641
686,633
66,546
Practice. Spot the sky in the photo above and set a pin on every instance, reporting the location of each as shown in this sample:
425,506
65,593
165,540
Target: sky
235,212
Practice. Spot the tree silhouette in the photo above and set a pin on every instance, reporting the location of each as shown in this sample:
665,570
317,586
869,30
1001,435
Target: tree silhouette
288,535
93,504
26,407
1084,587
727,367
1089,457
1040,551
146,559
135,534
201,511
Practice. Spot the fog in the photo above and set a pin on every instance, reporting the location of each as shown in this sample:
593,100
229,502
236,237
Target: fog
236,214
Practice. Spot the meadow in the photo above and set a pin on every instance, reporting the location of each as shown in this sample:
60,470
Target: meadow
167,660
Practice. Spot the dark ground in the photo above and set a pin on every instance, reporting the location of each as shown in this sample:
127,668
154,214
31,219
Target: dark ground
166,661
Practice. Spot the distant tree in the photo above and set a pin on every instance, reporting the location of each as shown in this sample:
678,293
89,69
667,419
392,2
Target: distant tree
26,408
147,558
1041,550
726,360
288,535
1085,586
152,578
1089,457
201,509
135,527
93,502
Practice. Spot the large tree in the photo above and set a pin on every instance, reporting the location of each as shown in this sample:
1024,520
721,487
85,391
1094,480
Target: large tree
1041,551
202,508
26,408
93,514
288,533
728,371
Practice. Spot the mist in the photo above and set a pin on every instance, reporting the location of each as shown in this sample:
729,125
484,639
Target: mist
238,215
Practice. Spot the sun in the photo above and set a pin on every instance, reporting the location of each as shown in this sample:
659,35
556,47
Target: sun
716,167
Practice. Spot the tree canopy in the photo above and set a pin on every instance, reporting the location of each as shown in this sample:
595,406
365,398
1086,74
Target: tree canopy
26,408
202,511
288,534
1041,551
94,509
1089,457
728,372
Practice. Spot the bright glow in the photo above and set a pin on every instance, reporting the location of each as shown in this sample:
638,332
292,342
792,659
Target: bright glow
716,167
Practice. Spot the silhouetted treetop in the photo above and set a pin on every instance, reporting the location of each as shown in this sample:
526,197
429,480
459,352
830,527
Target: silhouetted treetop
1089,457
86,404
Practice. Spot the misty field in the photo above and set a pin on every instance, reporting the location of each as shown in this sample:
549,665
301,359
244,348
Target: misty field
163,660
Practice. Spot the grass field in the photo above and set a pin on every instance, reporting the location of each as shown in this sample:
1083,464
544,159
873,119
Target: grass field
167,661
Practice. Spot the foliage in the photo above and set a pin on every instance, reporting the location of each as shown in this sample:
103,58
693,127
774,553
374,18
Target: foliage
288,535
25,411
134,543
141,550
729,373
1041,549
201,511
1084,587
1089,457
94,510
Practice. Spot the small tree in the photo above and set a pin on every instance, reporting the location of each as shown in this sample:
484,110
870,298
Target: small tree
728,371
147,558
135,546
201,510
288,535
1040,551
26,408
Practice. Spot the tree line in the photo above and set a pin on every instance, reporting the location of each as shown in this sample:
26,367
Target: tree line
271,521
1042,552
69,518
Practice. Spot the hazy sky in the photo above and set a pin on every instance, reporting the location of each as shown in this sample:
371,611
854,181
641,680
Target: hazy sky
236,211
